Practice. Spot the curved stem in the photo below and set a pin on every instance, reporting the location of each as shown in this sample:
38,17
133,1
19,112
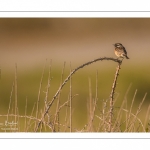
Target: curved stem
67,79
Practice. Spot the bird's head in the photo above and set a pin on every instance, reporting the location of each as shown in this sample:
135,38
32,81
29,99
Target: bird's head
118,45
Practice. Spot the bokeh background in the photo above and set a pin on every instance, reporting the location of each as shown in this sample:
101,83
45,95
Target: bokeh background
29,42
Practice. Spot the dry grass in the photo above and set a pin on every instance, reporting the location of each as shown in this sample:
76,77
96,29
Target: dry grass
102,116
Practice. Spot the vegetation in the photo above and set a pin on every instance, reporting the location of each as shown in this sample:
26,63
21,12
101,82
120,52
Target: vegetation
57,108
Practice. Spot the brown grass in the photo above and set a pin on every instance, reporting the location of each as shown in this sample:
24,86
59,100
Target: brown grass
101,118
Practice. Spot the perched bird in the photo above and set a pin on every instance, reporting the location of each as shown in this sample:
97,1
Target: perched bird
120,51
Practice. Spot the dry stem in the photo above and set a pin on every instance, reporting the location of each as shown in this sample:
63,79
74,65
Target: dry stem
16,92
66,80
112,96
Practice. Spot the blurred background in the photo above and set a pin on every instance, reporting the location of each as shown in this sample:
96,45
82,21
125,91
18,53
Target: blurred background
29,42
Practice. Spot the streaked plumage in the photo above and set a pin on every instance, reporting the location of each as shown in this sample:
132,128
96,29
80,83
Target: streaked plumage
120,51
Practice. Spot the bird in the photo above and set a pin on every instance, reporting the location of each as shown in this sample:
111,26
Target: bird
120,51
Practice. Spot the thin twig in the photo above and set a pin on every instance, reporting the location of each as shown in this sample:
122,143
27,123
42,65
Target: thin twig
138,111
127,124
31,115
120,110
135,116
125,97
48,84
147,115
0,73
90,107
112,96
102,120
96,93
103,114
18,121
15,91
70,97
93,103
38,99
118,114
57,116
26,114
10,101
66,117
